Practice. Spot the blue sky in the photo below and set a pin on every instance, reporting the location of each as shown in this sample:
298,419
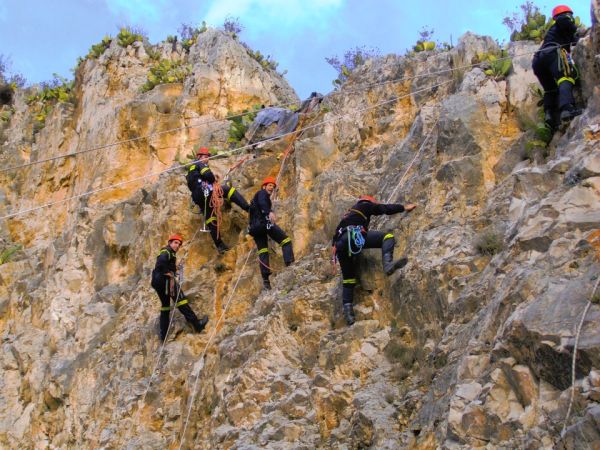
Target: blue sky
42,37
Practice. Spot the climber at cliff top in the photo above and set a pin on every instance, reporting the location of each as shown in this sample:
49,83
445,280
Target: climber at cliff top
352,236
262,225
167,288
554,68
206,190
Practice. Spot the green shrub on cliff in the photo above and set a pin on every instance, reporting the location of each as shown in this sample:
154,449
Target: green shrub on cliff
129,35
166,71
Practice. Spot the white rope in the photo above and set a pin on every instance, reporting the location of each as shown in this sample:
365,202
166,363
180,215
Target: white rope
185,127
235,150
214,332
573,364
413,161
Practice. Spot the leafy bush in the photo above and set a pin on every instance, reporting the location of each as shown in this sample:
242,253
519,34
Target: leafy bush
171,39
529,24
166,71
58,90
232,26
152,53
267,62
8,253
129,35
542,132
425,42
489,243
239,124
189,34
352,59
496,65
5,116
98,49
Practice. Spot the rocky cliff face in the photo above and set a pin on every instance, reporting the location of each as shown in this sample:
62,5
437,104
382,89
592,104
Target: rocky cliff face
469,346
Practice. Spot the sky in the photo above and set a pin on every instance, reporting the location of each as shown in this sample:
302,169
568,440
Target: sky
42,37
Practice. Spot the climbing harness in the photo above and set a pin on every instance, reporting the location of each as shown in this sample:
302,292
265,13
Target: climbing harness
355,238
566,67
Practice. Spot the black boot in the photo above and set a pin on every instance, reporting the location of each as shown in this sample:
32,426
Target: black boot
288,253
569,113
389,266
200,324
266,285
349,313
221,247
550,119
164,324
387,256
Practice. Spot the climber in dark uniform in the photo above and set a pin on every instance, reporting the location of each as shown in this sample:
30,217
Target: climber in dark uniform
167,288
553,67
262,224
352,235
201,182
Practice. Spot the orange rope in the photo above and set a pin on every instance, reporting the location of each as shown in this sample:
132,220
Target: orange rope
216,202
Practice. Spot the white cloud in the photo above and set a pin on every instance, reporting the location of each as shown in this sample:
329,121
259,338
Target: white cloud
275,16
137,11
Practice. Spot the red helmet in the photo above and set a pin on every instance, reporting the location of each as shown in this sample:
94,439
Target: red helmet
202,151
268,180
561,9
176,237
367,198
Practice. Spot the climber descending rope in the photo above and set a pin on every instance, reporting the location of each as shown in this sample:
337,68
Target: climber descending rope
159,280
262,225
209,195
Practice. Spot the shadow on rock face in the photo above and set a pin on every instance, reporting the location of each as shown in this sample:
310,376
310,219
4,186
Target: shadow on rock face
6,95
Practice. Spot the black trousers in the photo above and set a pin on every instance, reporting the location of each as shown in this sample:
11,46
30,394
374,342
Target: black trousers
349,261
203,202
162,289
553,76
262,245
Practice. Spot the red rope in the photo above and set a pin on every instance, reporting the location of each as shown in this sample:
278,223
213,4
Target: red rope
264,265
216,202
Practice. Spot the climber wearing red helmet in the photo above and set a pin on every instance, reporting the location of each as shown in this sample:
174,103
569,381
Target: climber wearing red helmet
167,288
262,226
352,235
200,181
554,69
